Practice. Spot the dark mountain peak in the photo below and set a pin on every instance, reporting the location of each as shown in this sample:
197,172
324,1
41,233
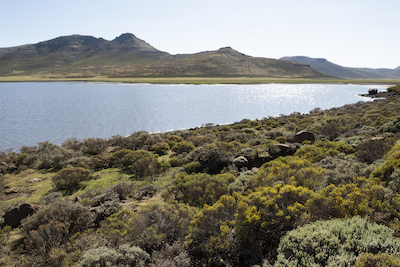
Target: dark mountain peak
125,37
398,68
321,60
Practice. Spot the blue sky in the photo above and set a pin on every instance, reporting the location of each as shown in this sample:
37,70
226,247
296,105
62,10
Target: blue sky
350,33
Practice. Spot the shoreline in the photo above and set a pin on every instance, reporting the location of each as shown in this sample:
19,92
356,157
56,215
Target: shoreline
197,80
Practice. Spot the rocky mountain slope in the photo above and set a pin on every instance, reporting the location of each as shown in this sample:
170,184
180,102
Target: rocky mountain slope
330,68
128,56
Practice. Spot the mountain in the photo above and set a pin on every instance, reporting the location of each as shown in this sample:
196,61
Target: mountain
128,56
330,68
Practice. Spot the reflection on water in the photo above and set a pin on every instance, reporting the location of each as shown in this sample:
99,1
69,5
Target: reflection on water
37,112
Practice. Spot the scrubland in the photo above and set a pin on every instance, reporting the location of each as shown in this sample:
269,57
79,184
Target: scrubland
183,198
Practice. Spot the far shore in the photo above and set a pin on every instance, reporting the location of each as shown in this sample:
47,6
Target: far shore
195,80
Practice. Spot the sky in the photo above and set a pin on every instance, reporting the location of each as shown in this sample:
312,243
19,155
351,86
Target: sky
349,33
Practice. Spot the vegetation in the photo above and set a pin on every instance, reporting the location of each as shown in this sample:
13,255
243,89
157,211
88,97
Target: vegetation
234,195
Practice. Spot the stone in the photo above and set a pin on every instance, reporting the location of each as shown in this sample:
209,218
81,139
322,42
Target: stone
302,136
240,162
372,91
13,217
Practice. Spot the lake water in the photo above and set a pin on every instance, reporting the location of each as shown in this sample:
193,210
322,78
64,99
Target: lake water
35,112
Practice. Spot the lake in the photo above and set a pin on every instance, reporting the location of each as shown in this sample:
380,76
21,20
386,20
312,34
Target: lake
55,111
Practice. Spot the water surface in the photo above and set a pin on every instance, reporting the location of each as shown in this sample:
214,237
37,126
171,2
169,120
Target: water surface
37,112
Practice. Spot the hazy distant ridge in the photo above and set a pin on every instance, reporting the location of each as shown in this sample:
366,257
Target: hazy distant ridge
330,68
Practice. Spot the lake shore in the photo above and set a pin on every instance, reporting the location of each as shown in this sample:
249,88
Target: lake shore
194,80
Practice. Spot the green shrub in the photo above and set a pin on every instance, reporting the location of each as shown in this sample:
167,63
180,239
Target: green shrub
199,189
334,243
94,146
378,260
211,158
125,255
75,217
70,179
322,149
151,227
373,149
183,147
192,167
160,148
289,170
148,166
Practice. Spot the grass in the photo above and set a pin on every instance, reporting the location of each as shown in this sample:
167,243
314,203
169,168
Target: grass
191,80
24,189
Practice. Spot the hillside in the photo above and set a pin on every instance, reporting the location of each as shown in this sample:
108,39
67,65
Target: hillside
292,190
128,56
330,68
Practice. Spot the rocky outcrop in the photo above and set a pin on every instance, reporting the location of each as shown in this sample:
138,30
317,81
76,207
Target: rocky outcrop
240,162
13,217
302,136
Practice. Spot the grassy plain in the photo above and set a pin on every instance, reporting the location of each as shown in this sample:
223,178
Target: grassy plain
192,80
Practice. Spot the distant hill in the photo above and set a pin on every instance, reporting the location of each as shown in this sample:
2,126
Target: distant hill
128,56
330,68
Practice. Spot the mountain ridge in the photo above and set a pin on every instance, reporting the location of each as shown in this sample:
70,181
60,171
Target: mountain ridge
129,56
333,69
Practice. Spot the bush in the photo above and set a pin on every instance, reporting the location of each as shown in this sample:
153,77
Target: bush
74,217
160,148
199,189
289,170
70,179
378,260
183,147
125,255
322,149
392,126
212,158
373,149
151,227
334,243
171,256
148,166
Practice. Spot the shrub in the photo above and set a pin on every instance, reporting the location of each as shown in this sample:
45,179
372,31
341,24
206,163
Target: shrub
242,230
51,198
212,159
199,189
94,146
378,260
125,255
373,149
183,147
322,149
392,126
74,217
192,167
70,179
289,170
342,170
148,166
171,256
160,148
151,227
334,243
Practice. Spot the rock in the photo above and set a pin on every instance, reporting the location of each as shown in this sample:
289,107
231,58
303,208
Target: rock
281,150
302,136
13,217
240,162
372,91
34,180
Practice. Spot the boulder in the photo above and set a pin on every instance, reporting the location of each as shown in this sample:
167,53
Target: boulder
302,136
372,91
13,217
240,162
